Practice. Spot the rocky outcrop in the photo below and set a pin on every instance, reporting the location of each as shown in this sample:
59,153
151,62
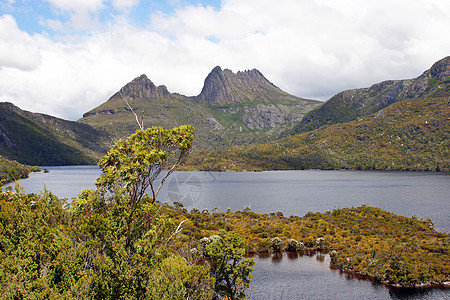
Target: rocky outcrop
224,86
272,116
142,87
211,123
251,98
108,112
4,138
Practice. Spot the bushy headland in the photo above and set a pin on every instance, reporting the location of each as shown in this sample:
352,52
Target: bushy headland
11,170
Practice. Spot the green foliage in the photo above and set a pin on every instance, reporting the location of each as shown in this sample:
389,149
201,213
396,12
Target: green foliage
365,239
136,162
104,246
12,170
132,165
37,257
232,274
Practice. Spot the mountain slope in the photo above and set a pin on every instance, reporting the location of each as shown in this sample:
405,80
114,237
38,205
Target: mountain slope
39,139
407,135
232,109
352,104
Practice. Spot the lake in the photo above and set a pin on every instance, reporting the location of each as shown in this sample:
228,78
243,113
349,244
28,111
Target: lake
292,275
423,194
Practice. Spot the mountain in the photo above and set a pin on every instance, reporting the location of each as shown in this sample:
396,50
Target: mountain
232,109
226,87
412,134
352,104
38,139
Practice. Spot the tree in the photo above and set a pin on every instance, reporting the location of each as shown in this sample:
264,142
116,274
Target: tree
123,235
232,273
277,244
136,162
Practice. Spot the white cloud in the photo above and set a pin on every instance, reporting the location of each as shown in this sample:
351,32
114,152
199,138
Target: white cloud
77,5
309,48
17,48
124,4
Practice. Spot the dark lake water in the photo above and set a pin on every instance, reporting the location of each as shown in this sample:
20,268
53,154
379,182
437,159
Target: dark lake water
283,276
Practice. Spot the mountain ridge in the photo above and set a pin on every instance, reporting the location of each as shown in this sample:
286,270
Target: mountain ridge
351,104
224,86
412,134
232,108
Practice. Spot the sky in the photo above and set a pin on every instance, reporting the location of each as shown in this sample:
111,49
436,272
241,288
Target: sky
66,57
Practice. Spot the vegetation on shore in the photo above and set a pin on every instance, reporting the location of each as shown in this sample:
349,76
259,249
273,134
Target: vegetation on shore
12,170
407,135
48,251
365,239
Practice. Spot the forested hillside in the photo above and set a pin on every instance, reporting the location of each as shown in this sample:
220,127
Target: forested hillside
408,135
352,104
39,139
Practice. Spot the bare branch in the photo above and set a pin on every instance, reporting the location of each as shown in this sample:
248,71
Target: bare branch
176,231
141,126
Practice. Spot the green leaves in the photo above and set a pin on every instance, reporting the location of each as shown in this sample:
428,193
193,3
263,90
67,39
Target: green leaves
232,273
137,161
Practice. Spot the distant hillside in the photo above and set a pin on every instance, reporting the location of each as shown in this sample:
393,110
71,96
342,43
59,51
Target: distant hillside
38,139
232,109
352,104
407,135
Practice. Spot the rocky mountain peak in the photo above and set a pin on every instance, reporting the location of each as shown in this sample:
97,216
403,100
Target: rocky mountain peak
143,87
440,69
225,86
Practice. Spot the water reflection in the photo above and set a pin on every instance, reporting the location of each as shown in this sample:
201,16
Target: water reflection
292,255
320,257
397,293
276,257
308,275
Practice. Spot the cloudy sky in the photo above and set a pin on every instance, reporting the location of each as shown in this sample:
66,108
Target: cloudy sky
65,57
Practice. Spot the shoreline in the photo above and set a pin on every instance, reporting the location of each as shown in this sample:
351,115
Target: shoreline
361,275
